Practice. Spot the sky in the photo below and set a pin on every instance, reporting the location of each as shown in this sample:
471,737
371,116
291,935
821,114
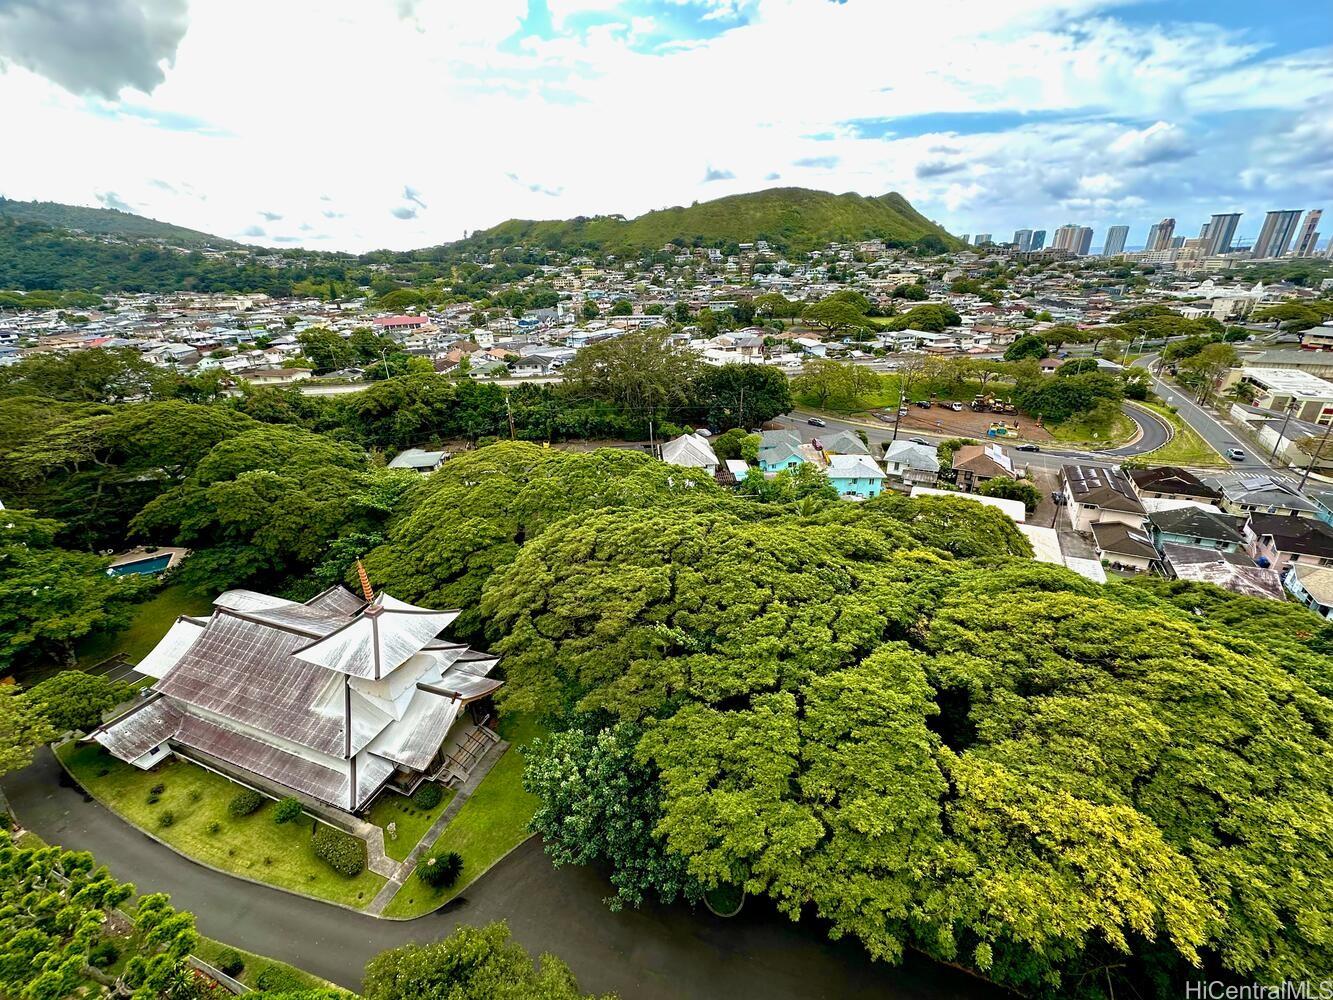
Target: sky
359,124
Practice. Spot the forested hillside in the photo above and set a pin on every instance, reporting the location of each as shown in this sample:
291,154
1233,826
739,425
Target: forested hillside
108,221
34,256
788,218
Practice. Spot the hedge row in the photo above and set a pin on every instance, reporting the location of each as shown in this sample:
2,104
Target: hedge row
342,852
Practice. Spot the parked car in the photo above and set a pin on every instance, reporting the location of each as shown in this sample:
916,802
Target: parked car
956,407
1027,447
816,422
923,404
1235,454
919,441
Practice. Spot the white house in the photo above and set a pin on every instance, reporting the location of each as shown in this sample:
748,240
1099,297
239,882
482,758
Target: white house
424,462
911,464
692,451
1095,495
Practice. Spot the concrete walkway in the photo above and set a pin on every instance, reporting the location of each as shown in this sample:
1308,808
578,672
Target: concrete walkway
657,953
402,871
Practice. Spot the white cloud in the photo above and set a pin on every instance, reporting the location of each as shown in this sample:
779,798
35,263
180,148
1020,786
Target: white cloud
405,122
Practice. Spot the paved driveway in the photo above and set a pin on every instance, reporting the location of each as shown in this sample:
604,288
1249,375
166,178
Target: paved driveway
659,953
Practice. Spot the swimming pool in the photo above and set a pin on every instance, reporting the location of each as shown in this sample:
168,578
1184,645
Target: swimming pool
152,564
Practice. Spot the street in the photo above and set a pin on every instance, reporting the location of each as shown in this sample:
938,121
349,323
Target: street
655,953
1154,432
1210,428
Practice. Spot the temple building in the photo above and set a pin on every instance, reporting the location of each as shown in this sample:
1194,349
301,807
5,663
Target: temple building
331,700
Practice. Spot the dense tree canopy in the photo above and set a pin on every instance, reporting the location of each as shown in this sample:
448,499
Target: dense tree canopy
836,385
74,700
1029,346
56,908
741,395
639,371
50,597
933,316
601,805
472,963
876,711
267,503
94,467
472,516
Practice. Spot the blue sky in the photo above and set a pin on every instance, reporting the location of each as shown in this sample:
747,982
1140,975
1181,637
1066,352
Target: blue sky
365,123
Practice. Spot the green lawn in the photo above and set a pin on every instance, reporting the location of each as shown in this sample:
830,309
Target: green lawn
1185,448
277,976
1081,433
253,845
150,623
491,823
413,822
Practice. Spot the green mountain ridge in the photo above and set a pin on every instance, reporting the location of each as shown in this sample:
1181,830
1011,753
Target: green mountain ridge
109,222
789,218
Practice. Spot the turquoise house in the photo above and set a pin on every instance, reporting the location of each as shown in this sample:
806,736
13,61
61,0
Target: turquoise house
856,476
779,457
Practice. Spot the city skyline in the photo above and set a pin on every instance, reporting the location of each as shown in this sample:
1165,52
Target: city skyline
1283,232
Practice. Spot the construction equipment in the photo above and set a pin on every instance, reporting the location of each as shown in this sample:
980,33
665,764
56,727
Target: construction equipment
989,404
999,428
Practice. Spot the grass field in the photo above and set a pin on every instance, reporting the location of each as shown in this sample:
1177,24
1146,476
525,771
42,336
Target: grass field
1185,448
491,824
253,846
261,972
413,822
151,622
1079,433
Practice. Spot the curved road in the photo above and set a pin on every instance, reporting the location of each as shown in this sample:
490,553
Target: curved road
658,953
1154,432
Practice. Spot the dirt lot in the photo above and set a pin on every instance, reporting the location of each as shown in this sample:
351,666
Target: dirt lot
941,420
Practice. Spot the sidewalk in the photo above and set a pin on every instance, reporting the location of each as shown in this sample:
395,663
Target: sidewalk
401,871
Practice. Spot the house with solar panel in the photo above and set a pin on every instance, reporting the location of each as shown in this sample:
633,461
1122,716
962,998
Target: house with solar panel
332,701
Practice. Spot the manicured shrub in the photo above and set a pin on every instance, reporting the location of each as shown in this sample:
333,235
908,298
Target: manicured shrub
195,795
246,801
103,954
159,788
287,810
344,853
215,827
231,962
154,797
166,819
441,872
427,796
276,979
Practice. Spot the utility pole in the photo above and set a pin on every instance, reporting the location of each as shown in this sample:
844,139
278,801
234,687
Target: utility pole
902,401
741,417
1318,450
1291,408
509,410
